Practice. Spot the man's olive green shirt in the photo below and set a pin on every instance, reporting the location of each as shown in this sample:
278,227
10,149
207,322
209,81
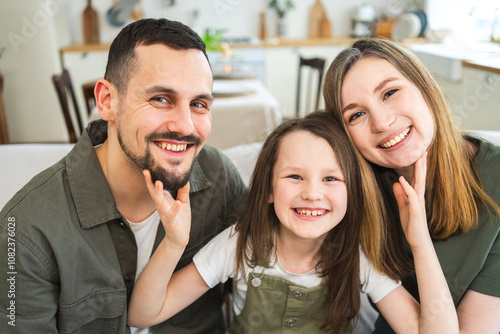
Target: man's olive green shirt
71,259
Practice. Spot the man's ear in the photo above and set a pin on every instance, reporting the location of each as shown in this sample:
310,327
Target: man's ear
104,92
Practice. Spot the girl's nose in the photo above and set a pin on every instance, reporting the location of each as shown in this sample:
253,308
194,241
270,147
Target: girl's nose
312,192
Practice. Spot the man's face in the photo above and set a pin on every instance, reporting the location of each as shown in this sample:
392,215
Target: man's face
164,116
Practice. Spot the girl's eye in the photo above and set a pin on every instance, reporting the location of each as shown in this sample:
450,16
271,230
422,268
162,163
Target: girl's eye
330,179
355,116
390,93
295,177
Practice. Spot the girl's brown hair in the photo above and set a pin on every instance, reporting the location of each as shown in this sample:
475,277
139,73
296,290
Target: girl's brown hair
451,177
339,254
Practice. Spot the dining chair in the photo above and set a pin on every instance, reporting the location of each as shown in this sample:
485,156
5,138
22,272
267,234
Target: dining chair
315,66
88,95
64,87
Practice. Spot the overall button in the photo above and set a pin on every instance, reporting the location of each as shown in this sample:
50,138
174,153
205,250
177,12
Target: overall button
290,322
297,293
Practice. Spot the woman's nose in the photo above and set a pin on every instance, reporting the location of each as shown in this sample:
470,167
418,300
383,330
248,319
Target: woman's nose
380,120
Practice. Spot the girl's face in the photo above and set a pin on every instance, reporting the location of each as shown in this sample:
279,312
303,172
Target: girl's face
385,114
309,192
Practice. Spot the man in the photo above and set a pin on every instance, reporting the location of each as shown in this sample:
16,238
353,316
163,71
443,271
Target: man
82,230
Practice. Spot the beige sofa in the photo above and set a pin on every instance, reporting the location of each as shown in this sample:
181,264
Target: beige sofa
20,162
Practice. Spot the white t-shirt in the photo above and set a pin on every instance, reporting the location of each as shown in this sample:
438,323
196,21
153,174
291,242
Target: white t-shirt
216,263
145,235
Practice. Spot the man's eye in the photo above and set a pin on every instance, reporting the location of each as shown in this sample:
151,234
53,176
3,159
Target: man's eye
198,105
159,99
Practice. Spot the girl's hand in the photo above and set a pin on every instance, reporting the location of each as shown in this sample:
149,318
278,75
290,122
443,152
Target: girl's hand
411,204
174,214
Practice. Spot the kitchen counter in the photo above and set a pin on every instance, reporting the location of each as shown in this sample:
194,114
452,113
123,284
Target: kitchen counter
268,43
490,65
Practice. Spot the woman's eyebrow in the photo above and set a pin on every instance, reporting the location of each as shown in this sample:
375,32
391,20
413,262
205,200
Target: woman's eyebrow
383,83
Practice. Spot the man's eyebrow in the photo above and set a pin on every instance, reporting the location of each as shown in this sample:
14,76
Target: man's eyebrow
162,89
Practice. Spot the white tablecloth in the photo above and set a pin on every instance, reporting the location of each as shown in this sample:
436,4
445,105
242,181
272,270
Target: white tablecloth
243,119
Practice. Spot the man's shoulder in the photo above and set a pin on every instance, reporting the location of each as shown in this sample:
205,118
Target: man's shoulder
41,186
213,158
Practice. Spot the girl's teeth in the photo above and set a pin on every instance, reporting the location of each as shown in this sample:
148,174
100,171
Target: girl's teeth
311,213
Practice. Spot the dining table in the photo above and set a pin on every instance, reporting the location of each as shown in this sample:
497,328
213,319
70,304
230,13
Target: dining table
243,111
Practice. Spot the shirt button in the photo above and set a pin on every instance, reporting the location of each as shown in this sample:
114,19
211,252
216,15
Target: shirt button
297,293
290,322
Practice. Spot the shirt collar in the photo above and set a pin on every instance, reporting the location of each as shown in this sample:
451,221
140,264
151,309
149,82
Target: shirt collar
92,197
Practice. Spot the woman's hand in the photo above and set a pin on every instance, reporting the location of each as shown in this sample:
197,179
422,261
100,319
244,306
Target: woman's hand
174,214
411,205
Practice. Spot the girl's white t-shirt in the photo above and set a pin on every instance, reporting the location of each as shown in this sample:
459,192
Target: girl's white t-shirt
216,263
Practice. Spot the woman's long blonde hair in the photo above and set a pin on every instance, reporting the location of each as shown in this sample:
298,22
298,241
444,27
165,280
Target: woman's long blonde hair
451,177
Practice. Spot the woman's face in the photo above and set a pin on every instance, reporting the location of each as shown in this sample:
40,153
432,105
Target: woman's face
385,114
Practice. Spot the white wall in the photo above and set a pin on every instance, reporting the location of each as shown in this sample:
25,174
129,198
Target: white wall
32,32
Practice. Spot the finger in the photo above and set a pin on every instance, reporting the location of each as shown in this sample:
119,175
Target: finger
419,174
411,196
400,194
183,194
162,199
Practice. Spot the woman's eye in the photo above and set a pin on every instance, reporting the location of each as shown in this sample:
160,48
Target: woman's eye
330,179
389,93
355,116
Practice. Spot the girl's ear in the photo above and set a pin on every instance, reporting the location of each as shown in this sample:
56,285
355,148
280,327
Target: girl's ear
270,200
104,92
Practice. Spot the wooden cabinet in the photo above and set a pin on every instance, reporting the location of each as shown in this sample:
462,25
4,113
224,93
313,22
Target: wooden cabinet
480,100
474,99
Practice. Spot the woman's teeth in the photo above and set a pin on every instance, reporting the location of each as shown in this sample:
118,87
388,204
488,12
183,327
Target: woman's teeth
305,212
172,147
396,139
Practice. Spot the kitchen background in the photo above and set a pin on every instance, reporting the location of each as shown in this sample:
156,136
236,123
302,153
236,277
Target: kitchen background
32,33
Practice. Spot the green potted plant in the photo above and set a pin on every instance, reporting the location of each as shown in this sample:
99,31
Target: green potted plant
281,7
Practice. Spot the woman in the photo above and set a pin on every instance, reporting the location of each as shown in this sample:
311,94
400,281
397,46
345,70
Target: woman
394,111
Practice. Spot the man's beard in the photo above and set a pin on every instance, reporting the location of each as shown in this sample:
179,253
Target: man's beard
171,181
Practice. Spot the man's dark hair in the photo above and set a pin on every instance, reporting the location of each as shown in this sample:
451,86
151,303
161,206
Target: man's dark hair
122,60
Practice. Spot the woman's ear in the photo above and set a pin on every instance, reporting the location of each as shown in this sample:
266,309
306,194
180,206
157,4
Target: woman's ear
104,92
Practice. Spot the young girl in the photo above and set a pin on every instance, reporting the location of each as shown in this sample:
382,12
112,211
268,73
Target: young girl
294,255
